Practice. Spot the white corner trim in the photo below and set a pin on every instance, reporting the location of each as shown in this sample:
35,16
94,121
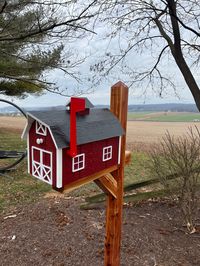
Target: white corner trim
28,154
52,137
59,168
24,130
36,119
119,150
27,127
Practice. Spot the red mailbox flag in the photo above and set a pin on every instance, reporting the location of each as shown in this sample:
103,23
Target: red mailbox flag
76,105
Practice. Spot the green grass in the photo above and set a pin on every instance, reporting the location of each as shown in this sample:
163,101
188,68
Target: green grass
17,187
136,172
11,141
176,118
164,116
138,169
20,188
137,115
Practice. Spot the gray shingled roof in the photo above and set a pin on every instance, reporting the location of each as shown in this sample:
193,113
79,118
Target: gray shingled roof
98,125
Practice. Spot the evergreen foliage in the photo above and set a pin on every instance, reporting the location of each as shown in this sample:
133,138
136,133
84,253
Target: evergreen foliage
31,35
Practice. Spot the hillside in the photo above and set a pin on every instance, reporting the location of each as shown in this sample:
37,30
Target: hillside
172,107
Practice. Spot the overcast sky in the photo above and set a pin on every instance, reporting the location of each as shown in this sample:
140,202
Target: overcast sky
102,96
101,93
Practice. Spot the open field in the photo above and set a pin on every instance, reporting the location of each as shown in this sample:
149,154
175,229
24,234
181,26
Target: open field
138,131
164,116
15,124
21,187
141,135
151,132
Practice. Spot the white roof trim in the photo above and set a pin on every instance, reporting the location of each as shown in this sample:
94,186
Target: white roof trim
28,126
24,131
37,120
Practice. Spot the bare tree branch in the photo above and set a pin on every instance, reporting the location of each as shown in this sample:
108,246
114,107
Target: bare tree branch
3,7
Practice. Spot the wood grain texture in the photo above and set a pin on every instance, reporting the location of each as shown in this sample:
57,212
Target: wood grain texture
127,157
108,184
119,106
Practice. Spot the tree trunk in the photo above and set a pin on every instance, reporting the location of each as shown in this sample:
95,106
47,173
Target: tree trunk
176,50
188,76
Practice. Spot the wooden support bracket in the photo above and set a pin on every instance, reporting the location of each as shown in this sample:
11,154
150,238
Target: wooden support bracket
127,157
88,179
108,184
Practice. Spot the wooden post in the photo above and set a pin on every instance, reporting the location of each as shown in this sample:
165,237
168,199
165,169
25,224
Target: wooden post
119,106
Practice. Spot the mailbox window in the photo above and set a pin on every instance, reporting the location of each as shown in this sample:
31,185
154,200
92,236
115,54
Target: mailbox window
78,162
107,153
41,129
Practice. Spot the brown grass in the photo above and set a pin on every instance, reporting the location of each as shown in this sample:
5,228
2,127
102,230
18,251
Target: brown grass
151,132
13,124
140,134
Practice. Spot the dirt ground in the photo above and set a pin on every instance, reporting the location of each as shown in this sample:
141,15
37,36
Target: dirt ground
56,232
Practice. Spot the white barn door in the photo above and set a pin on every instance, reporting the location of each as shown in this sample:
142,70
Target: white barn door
42,164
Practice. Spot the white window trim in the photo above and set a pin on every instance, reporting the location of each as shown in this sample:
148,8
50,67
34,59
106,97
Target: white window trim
39,126
73,163
104,153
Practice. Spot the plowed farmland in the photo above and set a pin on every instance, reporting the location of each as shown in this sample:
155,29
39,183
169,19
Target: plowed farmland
138,131
15,124
141,135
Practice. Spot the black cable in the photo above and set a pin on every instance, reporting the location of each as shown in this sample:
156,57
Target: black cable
8,167
16,106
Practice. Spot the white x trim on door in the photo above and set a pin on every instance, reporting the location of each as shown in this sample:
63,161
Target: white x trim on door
40,169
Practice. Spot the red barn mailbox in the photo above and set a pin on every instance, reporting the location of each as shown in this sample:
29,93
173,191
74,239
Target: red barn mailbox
66,146
79,144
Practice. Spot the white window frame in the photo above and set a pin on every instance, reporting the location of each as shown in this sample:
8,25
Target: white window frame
107,151
79,161
40,129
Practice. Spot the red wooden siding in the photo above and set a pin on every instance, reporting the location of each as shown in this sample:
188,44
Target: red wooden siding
93,159
93,156
47,145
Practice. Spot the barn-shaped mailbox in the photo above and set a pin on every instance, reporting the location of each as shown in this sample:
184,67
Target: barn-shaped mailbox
66,145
